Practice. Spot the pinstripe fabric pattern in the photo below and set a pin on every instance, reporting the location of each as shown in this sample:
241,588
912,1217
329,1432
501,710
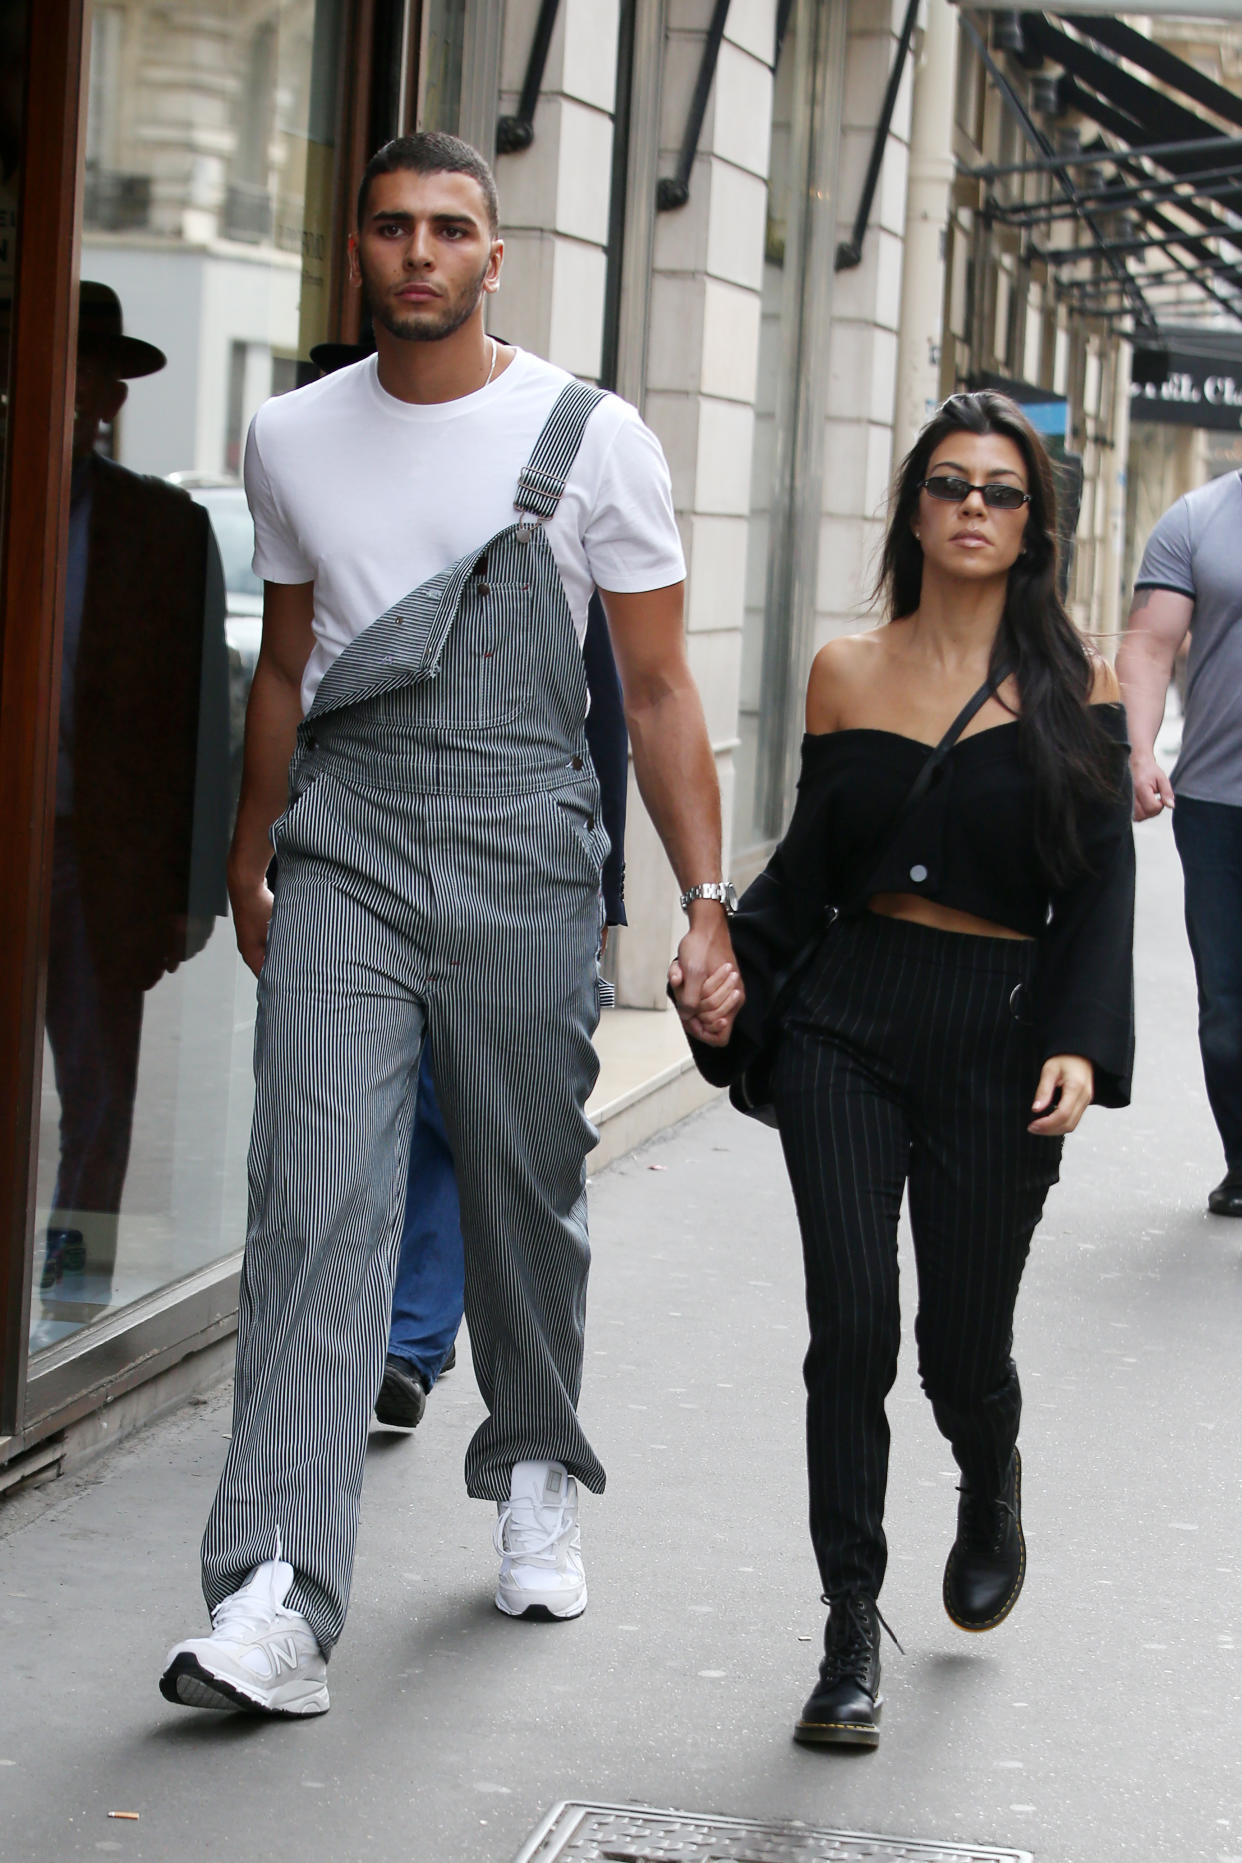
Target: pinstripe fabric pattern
439,870
905,1066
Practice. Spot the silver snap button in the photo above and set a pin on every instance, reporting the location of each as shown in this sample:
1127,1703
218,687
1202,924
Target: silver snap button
918,873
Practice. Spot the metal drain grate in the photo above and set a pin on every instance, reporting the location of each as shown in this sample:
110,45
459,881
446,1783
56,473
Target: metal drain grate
579,1832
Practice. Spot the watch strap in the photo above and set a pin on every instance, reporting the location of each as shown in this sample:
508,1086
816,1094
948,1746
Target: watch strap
719,890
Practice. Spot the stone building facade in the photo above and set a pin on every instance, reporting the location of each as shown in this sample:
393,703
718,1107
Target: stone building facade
761,221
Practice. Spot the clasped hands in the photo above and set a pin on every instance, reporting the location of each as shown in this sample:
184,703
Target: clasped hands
705,980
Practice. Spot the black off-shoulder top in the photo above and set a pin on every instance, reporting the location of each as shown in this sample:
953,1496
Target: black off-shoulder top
969,844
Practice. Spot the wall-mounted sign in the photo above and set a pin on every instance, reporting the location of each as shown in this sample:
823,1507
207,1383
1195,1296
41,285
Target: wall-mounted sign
1185,390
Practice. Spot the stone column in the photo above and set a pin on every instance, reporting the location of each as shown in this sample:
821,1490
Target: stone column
554,196
858,452
703,347
927,217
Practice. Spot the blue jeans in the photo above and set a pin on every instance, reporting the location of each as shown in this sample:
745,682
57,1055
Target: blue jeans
1209,841
429,1294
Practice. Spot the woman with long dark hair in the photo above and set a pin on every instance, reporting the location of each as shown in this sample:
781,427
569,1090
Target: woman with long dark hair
960,921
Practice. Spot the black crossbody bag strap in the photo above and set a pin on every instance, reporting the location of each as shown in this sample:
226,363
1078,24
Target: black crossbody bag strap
926,776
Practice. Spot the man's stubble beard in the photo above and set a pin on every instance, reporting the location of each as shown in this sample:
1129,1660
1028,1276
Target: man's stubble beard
425,326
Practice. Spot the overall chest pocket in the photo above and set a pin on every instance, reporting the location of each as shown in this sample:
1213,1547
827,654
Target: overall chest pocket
485,665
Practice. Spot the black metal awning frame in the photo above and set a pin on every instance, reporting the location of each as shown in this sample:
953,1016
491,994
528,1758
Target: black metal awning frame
1138,308
1157,179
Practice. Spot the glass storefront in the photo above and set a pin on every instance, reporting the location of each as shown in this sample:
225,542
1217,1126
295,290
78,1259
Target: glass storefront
12,66
208,246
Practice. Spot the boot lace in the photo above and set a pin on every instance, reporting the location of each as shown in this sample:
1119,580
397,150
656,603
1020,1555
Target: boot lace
849,1644
986,1519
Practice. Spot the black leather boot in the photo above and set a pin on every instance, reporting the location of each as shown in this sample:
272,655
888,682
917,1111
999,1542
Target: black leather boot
987,1562
844,1707
1226,1199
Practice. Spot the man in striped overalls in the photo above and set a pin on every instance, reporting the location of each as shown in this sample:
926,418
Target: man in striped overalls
429,526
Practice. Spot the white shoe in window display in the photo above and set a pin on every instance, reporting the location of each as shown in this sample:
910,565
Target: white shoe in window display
259,1655
539,1543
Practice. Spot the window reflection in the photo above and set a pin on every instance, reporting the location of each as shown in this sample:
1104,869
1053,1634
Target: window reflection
209,193
141,790
12,79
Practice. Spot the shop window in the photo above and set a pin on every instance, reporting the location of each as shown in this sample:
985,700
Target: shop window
12,68
207,273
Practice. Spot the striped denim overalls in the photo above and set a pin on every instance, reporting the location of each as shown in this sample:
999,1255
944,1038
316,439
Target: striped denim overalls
439,871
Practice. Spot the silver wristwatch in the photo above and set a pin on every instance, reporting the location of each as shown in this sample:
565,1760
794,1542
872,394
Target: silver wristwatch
722,891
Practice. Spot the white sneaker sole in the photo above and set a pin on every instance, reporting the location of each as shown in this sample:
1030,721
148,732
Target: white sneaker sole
515,1601
189,1684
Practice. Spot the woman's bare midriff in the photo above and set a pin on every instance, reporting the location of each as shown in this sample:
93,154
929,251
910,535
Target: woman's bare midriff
940,918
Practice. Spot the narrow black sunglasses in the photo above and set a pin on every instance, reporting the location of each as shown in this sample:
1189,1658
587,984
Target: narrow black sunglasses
954,491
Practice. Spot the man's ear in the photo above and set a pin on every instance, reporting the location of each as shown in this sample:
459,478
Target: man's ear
355,270
491,281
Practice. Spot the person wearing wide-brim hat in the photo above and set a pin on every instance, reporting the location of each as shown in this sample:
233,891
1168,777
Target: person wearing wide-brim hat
141,790
108,360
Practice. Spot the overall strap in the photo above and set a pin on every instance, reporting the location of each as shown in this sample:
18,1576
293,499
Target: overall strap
542,479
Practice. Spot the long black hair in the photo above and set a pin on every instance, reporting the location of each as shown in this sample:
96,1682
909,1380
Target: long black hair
1070,756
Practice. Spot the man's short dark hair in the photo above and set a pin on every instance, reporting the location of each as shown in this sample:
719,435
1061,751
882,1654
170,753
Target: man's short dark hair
432,152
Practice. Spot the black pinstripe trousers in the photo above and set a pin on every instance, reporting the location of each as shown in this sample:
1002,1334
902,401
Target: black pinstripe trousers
906,1066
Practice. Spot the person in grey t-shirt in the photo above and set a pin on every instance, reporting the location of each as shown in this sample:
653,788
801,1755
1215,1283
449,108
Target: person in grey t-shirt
1190,579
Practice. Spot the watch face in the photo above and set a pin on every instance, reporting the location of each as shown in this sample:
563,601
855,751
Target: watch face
730,898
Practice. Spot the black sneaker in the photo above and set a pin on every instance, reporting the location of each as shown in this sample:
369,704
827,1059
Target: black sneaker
402,1396
844,1707
987,1561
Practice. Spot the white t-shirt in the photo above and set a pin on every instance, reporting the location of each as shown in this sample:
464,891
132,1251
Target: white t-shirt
367,496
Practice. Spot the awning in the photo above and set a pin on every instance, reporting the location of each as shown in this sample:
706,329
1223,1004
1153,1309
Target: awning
1155,176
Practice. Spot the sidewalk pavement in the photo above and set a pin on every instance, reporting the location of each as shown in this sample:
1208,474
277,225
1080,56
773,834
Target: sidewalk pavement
1100,1722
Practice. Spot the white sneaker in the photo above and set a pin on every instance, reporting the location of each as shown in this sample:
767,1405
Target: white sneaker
258,1656
540,1545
